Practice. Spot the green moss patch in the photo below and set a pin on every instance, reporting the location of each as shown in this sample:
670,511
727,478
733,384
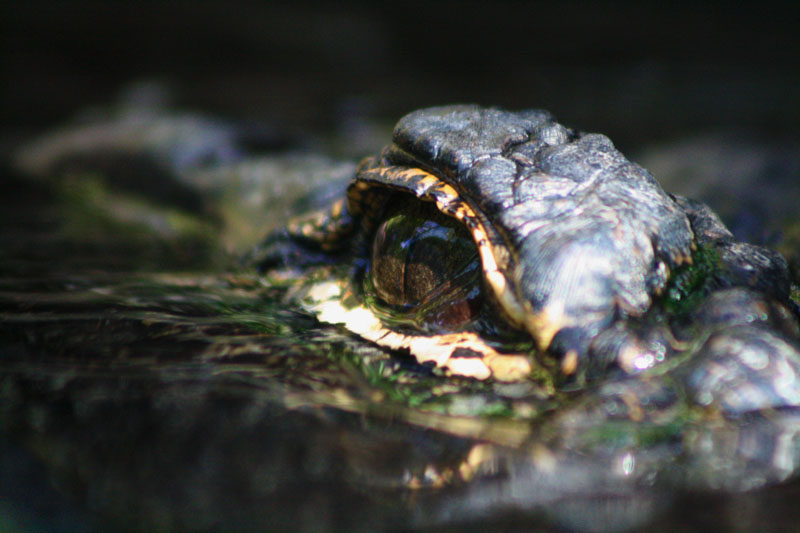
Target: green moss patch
688,284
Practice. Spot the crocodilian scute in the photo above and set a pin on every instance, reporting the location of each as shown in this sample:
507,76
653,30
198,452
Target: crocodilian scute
579,248
582,236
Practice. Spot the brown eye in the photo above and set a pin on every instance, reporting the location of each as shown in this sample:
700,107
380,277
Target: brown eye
424,268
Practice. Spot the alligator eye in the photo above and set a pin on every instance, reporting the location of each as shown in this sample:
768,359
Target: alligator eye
424,269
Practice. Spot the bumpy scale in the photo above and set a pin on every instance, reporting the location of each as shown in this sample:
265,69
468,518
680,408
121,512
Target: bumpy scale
577,247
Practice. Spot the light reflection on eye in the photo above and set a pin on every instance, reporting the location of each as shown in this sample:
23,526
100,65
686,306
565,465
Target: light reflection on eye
424,267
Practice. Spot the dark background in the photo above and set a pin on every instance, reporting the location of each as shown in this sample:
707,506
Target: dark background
639,72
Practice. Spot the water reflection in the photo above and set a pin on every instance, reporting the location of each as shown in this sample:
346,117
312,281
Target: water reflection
199,402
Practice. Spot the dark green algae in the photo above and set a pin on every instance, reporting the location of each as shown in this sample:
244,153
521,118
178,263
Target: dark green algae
688,284
223,313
